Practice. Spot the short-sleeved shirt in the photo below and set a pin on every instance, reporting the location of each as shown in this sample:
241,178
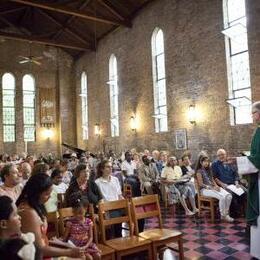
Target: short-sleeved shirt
12,193
224,172
110,189
128,167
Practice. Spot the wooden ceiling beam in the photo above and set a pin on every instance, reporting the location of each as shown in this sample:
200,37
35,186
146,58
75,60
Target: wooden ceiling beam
68,30
10,24
12,10
68,11
115,12
42,41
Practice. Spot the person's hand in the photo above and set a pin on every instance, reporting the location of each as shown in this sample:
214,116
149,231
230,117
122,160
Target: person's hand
231,160
217,188
76,252
237,184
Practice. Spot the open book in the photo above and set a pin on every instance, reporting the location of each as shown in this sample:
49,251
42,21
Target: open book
239,191
245,166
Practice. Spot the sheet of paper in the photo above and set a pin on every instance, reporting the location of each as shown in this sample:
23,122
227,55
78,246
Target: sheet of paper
238,191
244,166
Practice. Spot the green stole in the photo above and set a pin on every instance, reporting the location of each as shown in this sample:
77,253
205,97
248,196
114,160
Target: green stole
252,212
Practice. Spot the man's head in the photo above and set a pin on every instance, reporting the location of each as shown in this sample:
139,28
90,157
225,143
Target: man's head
156,155
128,156
256,112
185,160
56,177
222,155
145,160
9,175
26,170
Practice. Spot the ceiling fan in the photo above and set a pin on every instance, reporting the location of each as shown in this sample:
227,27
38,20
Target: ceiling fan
30,59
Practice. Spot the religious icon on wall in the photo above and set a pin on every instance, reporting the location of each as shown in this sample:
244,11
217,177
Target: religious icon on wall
181,139
47,106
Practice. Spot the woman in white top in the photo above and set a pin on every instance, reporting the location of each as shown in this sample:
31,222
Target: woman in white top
178,190
110,190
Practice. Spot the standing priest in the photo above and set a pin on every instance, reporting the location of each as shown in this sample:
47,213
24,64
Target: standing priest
254,186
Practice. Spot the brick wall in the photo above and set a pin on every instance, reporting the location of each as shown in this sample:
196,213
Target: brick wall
45,76
195,74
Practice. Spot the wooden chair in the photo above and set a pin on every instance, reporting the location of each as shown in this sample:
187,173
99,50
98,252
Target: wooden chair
107,253
160,237
124,245
206,203
64,214
60,197
52,219
127,191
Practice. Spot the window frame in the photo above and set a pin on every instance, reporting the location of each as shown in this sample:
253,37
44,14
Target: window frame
160,125
34,107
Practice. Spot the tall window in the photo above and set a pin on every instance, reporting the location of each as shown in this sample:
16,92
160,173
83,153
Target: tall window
84,105
8,87
29,107
113,89
159,82
235,30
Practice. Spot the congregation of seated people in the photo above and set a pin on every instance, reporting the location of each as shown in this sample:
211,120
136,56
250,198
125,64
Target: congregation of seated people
31,188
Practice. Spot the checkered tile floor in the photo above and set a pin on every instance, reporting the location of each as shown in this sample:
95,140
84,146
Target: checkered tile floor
203,240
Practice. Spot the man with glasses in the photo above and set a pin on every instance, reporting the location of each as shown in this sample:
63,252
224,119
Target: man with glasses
225,174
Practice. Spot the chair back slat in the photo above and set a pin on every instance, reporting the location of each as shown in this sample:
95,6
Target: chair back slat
149,214
151,208
113,205
64,213
52,218
105,207
116,220
94,220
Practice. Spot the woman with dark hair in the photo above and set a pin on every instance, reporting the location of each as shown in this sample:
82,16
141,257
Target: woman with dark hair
110,189
81,182
10,221
208,187
33,215
40,168
12,241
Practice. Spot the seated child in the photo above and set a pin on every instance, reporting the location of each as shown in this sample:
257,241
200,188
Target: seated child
79,230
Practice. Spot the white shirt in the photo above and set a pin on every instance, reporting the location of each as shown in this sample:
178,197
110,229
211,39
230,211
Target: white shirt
110,189
61,188
128,167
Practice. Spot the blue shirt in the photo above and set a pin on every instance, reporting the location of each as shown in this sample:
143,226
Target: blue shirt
224,172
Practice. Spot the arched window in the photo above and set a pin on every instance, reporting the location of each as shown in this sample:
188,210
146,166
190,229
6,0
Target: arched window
159,82
84,105
113,90
235,30
29,108
8,87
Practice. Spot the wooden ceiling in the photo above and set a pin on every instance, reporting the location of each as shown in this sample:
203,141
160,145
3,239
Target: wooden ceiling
73,25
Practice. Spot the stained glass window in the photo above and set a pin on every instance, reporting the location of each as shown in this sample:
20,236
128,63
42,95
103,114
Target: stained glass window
159,82
113,89
84,105
29,107
8,87
235,24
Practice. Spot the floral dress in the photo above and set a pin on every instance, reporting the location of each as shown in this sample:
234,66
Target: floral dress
79,234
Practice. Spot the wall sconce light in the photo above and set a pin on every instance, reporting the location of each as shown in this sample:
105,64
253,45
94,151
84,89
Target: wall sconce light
133,123
97,130
48,133
192,114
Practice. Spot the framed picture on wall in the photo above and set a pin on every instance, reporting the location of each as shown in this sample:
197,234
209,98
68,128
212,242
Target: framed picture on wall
181,139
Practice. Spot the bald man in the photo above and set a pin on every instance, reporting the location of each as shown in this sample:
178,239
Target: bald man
225,174
253,204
